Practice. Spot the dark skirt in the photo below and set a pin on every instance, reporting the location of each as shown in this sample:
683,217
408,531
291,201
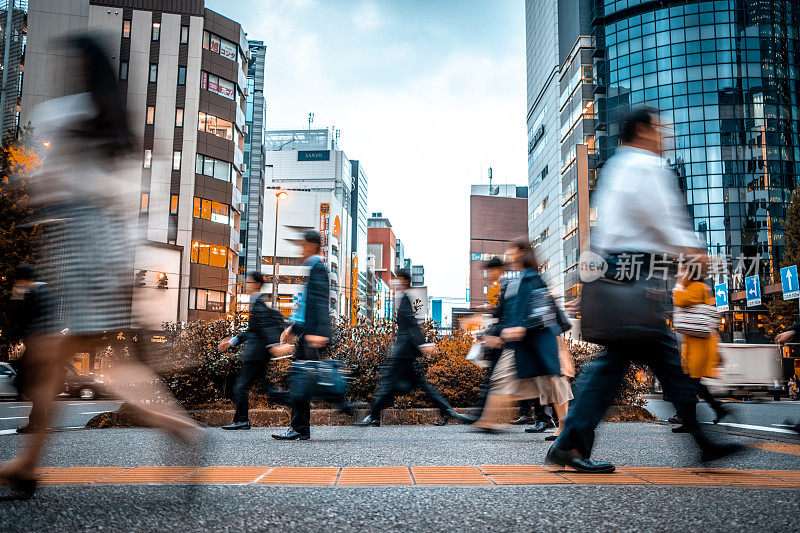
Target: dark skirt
537,354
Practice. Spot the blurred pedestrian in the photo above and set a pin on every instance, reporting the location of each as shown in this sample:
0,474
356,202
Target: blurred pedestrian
698,353
639,214
32,314
495,273
311,326
529,366
86,208
402,374
263,337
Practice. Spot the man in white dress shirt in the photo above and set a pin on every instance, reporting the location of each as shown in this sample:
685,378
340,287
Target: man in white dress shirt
639,213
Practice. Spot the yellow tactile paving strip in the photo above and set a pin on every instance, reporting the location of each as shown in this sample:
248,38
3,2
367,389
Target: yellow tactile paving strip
419,475
777,447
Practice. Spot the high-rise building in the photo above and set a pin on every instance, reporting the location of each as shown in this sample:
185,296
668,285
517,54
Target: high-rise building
724,75
577,169
255,117
12,52
316,177
417,275
183,73
358,202
497,214
545,226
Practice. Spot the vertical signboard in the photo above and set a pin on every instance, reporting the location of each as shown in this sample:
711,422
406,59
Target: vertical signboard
324,222
721,296
752,285
354,291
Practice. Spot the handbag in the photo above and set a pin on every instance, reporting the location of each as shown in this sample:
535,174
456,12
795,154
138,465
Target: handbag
620,311
699,320
317,380
542,310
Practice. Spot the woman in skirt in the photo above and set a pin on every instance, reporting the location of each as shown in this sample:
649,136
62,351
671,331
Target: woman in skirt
529,366
86,209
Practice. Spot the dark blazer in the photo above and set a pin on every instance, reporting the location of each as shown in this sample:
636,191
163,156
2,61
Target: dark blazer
317,315
34,314
264,328
409,334
537,353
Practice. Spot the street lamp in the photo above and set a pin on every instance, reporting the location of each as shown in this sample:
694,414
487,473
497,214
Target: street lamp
280,195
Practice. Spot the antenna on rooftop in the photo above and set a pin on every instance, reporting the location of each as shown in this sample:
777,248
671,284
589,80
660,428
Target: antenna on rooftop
310,119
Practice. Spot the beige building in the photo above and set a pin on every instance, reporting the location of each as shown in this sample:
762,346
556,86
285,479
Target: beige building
183,71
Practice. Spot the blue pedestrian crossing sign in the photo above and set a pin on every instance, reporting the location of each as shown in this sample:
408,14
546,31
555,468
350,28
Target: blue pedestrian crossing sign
752,287
790,283
721,295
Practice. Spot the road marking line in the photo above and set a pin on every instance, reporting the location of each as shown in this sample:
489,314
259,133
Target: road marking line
756,428
93,413
15,418
7,431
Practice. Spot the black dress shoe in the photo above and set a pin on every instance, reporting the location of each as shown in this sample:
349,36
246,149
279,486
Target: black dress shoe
557,456
522,420
721,412
27,428
538,427
348,409
237,425
551,438
368,421
291,435
683,428
675,420
718,451
464,419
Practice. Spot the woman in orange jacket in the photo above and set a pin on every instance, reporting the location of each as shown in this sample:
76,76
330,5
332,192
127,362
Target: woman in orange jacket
699,354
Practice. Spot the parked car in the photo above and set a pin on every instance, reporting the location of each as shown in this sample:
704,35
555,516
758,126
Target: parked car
83,386
76,385
8,387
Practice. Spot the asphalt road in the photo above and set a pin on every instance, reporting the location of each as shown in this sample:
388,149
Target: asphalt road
70,413
418,508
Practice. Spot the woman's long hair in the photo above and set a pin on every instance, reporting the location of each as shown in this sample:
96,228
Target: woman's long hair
528,256
109,126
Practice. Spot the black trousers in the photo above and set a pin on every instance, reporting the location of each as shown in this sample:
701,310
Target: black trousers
301,409
602,382
402,376
539,412
250,372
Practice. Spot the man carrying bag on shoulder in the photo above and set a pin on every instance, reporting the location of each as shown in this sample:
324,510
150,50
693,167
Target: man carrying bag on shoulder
640,216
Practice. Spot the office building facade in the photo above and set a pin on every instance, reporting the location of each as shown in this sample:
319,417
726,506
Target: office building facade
497,214
724,74
183,74
545,226
251,233
12,51
316,176
358,202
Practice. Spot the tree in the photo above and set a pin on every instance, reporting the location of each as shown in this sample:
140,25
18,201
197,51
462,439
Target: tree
19,237
782,312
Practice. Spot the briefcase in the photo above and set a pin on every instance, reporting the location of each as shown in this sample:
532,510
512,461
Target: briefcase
317,380
621,311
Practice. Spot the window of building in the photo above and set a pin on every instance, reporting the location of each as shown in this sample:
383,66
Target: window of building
148,158
156,31
184,34
207,300
215,126
181,75
176,160
485,289
209,254
178,117
213,211
153,73
123,70
208,166
218,85
220,46
126,29
173,204
144,203
151,114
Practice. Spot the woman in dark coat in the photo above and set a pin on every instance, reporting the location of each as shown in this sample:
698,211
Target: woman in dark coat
529,366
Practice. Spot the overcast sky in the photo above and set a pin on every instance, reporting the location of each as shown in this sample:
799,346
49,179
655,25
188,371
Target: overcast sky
427,95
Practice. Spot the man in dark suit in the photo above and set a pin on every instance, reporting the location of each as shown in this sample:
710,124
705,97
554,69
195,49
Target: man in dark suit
263,337
312,326
402,375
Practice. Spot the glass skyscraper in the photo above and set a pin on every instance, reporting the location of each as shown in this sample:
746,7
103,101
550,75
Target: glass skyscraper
726,75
